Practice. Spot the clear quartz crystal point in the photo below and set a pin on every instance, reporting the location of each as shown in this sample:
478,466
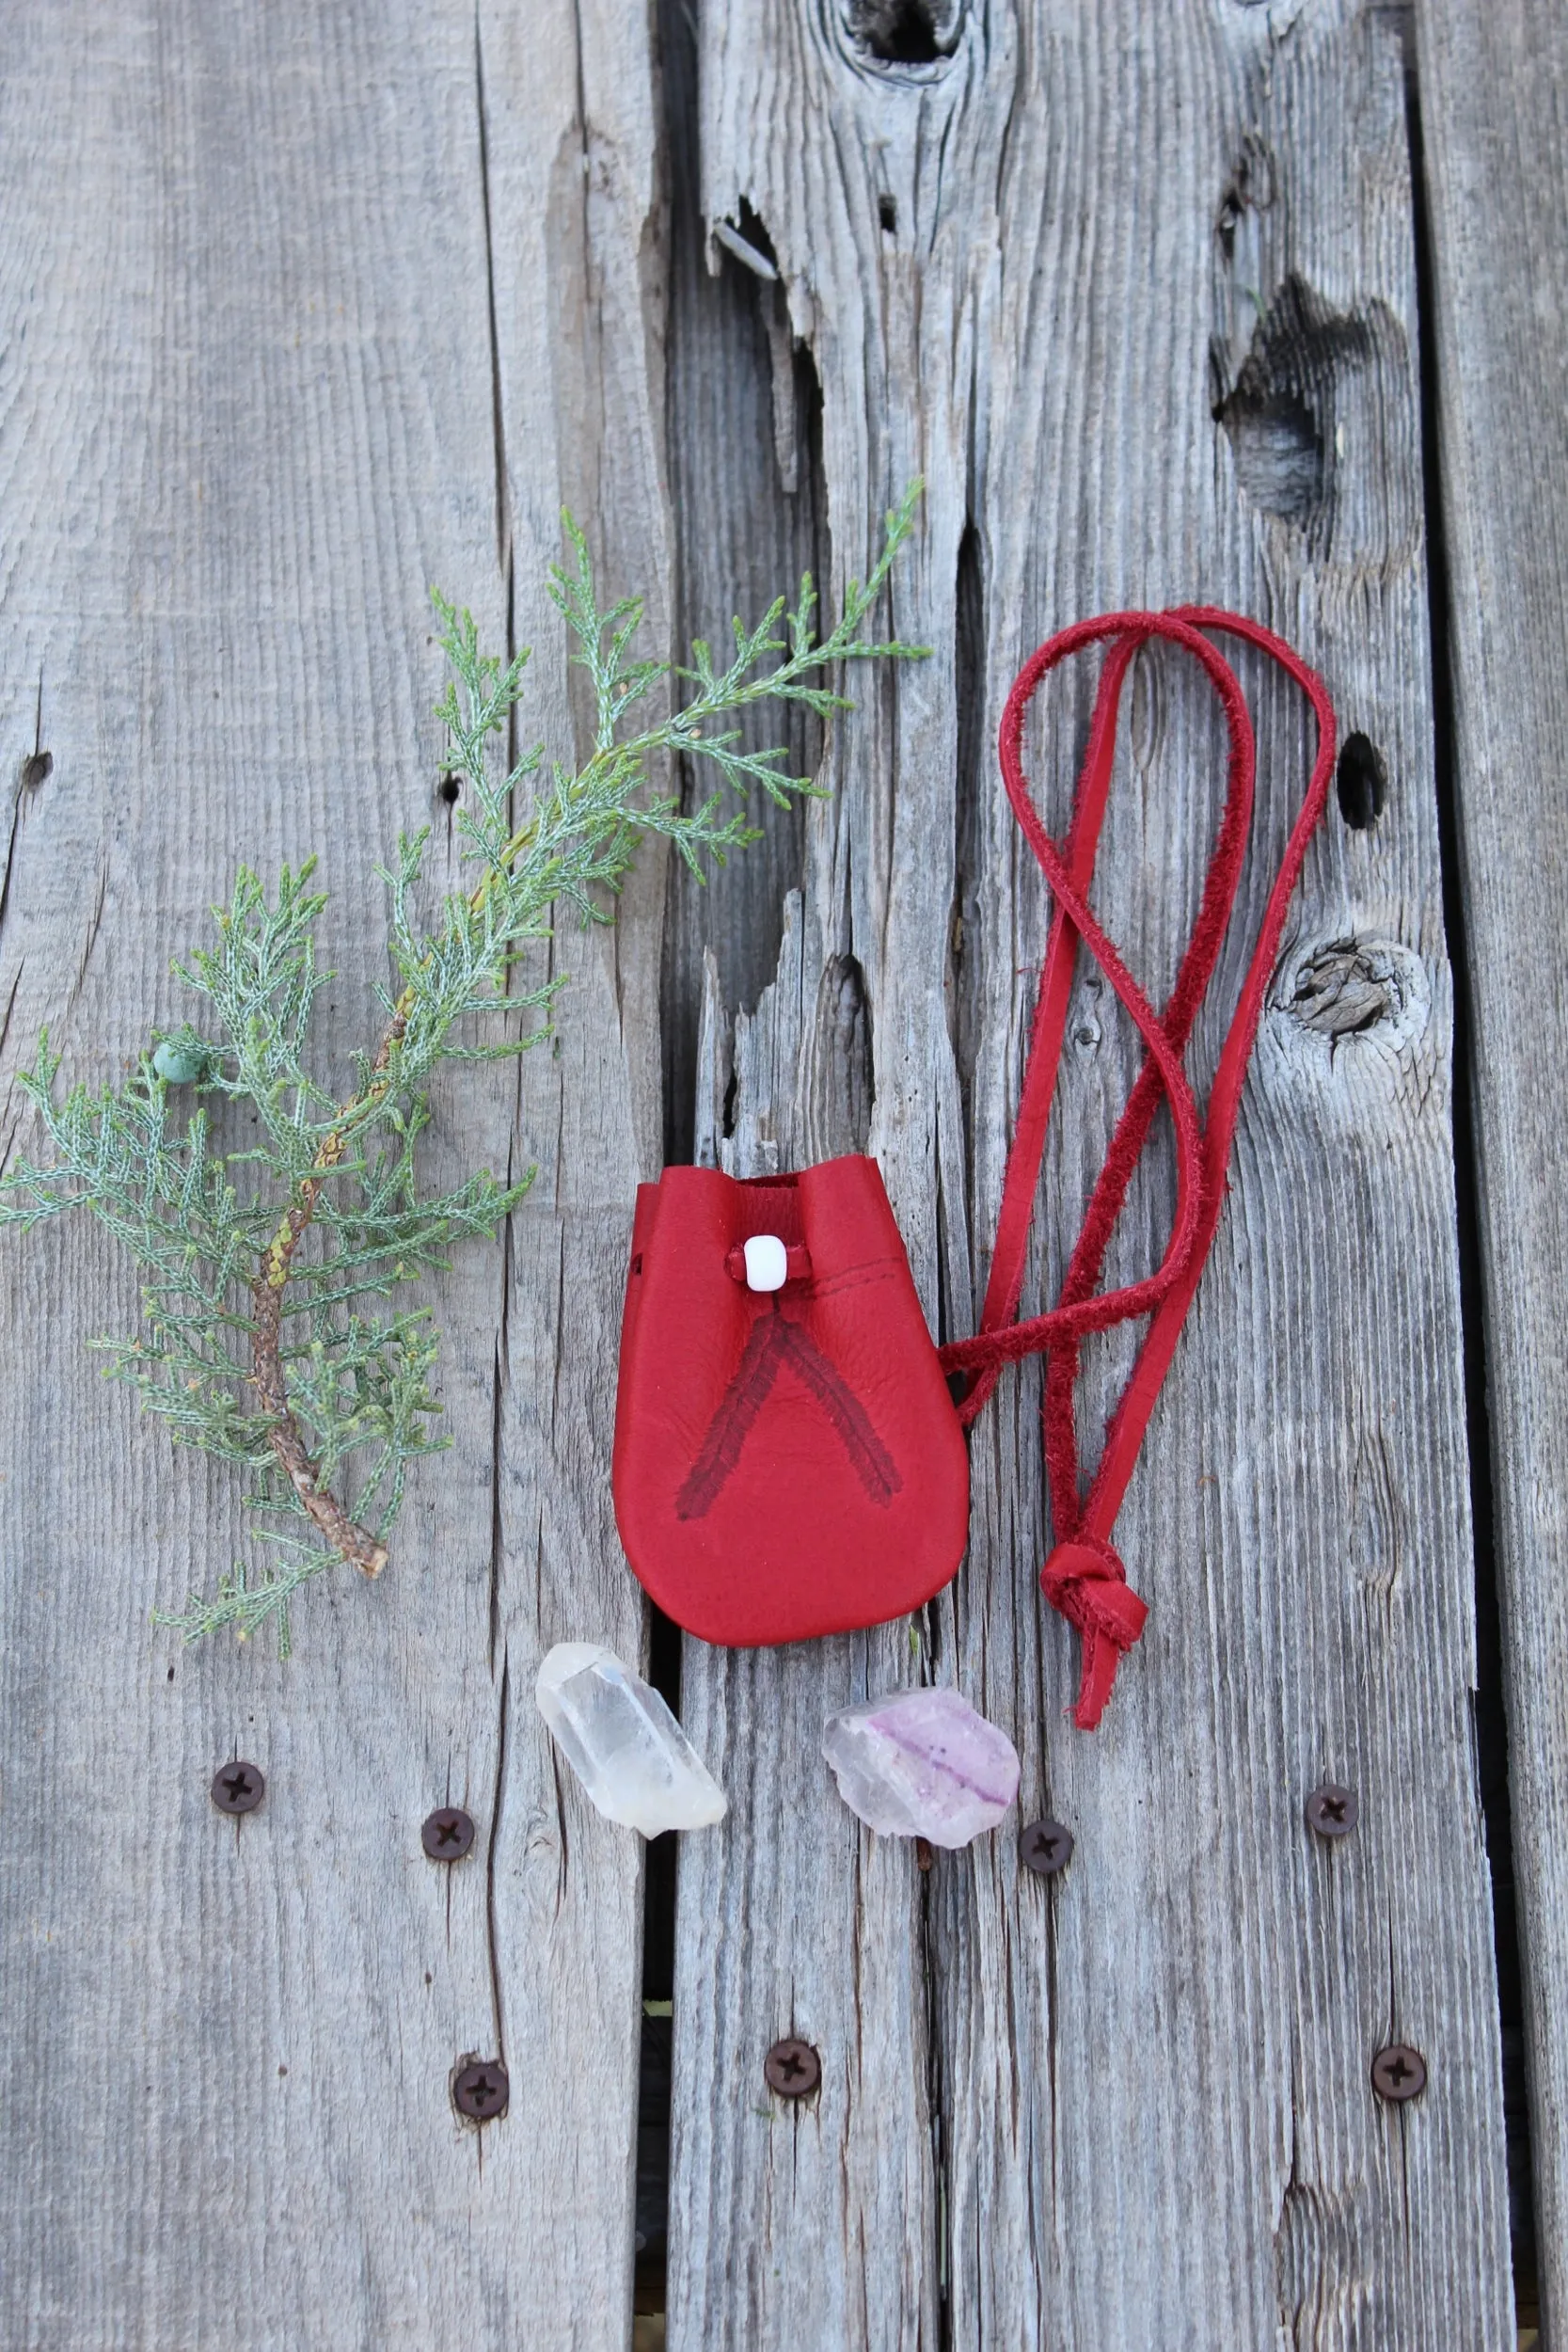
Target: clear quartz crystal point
620,1739
922,1764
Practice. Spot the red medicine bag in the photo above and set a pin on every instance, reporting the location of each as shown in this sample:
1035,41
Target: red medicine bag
789,1459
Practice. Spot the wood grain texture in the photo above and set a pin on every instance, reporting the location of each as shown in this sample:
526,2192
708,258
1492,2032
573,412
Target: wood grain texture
1133,2108
1497,174
273,363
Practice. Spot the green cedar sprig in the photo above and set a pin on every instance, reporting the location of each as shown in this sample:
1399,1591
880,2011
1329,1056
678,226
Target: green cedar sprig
263,1269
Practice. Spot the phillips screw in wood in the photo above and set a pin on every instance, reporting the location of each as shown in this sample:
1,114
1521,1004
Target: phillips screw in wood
481,2089
448,1834
238,1788
793,2068
1399,2072
1331,1810
1046,1846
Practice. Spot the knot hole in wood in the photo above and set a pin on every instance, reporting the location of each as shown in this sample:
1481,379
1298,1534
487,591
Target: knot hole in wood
905,32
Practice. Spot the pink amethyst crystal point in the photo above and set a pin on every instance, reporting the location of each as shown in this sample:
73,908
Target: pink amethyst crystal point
922,1764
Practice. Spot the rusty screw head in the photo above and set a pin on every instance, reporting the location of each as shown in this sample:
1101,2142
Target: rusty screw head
480,2090
1398,2072
1046,1847
1332,1810
793,2068
448,1834
238,1788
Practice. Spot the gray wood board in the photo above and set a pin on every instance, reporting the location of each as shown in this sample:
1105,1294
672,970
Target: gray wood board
1497,175
1133,2108
262,386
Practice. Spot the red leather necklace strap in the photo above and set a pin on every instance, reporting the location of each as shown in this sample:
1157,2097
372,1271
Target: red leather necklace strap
1001,1340
1083,1576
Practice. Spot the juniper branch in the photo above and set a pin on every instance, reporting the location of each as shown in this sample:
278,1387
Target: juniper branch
258,1264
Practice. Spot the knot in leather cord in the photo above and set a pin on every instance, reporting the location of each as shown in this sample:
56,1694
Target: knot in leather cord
1085,1579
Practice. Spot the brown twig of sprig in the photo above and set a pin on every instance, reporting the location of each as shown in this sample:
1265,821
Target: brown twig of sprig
352,1542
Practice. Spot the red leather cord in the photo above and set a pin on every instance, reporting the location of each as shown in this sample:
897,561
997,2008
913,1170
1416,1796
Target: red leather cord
1084,1578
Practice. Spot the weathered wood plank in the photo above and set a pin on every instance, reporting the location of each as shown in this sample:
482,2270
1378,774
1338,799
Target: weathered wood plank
575,228
1033,266
1496,172
254,378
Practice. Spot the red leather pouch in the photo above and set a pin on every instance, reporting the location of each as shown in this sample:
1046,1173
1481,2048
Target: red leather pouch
788,1461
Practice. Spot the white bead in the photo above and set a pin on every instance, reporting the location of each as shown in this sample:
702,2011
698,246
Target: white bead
767,1262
